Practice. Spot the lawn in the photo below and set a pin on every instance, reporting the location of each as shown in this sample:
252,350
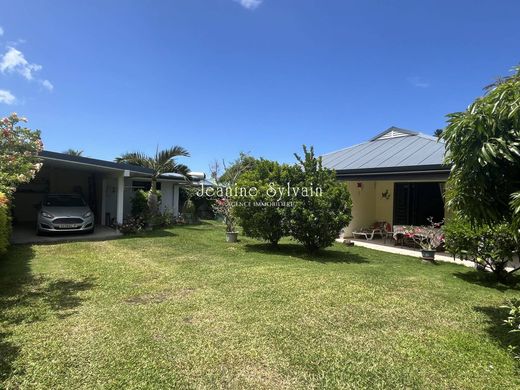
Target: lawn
182,309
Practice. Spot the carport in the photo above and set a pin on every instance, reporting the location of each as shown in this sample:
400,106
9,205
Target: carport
106,186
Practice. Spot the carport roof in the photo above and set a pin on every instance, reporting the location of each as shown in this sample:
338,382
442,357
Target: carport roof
93,162
394,150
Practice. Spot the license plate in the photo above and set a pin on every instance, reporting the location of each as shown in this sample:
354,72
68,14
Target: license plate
67,226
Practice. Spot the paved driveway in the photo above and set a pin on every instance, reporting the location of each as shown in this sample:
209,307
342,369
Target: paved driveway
26,234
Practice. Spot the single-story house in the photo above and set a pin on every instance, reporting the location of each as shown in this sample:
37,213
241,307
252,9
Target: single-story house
398,177
106,186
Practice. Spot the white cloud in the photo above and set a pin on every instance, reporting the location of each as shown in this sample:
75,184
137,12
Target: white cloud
47,85
250,4
1,31
418,82
14,61
6,97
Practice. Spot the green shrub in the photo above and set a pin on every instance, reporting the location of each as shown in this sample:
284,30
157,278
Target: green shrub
5,228
258,221
132,225
316,221
139,203
165,219
489,246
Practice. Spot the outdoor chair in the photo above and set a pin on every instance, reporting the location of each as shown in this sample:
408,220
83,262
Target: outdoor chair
377,228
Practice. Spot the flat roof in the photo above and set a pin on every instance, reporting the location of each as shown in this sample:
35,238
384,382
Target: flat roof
47,155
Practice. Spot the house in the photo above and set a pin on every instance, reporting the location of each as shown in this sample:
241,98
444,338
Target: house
107,186
398,176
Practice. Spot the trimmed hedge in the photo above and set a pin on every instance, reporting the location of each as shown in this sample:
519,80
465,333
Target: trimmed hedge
5,228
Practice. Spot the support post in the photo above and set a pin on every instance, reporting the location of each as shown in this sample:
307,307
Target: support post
103,201
175,200
120,198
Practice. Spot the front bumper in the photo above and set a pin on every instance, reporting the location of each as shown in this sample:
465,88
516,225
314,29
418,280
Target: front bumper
62,224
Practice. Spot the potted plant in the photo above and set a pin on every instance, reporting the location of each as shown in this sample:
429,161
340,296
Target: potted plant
224,208
429,238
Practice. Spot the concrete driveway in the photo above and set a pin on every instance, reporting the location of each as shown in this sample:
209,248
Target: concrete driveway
26,234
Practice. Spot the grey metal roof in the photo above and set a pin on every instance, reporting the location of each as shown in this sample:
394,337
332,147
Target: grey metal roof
63,157
410,150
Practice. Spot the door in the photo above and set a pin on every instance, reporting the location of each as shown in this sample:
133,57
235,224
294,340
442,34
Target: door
414,203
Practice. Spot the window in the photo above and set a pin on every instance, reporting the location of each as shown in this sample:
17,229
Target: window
143,185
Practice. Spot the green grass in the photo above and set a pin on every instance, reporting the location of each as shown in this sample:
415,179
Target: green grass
183,309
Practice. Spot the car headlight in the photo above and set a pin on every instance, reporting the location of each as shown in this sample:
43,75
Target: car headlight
47,215
87,214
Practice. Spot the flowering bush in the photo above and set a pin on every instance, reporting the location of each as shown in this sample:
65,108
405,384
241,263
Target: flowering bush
224,208
131,225
19,148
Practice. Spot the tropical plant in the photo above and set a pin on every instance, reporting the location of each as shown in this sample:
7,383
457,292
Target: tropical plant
483,148
162,162
513,322
316,221
74,152
255,211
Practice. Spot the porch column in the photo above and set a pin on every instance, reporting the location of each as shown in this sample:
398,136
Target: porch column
175,200
120,198
103,201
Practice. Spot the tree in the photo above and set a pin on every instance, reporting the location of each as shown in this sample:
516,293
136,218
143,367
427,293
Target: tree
483,148
323,209
162,162
256,213
438,133
74,152
243,163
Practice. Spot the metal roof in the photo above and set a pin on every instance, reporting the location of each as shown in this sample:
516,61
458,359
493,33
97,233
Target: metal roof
93,162
402,150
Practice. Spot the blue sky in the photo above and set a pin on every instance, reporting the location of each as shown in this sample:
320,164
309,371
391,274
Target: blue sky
223,76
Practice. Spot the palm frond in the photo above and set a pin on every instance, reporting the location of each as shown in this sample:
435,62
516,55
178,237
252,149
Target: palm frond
135,158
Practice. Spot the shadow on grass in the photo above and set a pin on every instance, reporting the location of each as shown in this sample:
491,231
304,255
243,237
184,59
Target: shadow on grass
496,328
26,298
295,250
489,280
149,234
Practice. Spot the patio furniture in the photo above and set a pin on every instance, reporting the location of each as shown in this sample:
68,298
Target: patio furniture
369,233
403,232
388,232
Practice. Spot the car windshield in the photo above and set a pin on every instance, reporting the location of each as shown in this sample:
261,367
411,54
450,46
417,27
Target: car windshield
63,201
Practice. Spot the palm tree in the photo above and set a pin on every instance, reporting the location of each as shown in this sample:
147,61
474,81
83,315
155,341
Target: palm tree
162,162
74,152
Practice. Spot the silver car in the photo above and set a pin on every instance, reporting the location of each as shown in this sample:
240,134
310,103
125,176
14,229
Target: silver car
64,213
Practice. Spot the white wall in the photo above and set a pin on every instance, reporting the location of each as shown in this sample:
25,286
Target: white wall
166,197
